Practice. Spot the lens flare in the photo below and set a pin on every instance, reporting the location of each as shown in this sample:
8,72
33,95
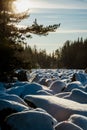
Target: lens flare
22,5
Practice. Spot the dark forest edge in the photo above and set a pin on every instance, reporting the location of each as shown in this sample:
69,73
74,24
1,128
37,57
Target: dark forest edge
73,55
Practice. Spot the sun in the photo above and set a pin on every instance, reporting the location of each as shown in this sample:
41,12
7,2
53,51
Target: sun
22,5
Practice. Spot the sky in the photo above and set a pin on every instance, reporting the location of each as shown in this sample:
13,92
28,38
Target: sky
60,3
72,14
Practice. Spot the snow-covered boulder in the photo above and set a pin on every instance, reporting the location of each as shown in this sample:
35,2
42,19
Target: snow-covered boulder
49,81
30,120
8,107
16,90
67,126
77,95
80,77
57,86
79,120
12,97
31,89
73,85
59,108
42,81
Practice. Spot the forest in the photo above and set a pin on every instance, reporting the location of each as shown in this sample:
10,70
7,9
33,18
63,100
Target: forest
72,55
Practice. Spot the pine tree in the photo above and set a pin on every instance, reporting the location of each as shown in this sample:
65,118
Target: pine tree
9,20
11,35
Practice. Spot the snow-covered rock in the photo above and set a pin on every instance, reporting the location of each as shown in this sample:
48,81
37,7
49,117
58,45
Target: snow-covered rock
73,85
67,126
80,77
57,86
77,95
48,90
12,97
8,107
30,120
59,108
16,90
79,120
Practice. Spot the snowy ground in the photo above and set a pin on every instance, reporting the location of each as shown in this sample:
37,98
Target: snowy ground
51,100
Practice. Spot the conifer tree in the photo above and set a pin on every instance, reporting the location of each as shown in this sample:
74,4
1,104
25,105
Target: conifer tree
11,35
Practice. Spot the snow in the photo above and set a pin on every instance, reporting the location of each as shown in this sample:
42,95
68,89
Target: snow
79,120
57,86
59,96
31,89
73,85
67,126
31,120
12,97
78,96
63,94
7,104
18,90
81,77
62,107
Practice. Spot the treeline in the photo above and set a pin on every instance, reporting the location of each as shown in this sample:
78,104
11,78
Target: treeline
16,56
74,54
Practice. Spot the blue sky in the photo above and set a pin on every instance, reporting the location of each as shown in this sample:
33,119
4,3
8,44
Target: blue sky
60,3
72,14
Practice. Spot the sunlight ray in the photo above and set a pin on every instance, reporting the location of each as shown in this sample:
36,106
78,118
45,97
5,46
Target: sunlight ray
22,5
